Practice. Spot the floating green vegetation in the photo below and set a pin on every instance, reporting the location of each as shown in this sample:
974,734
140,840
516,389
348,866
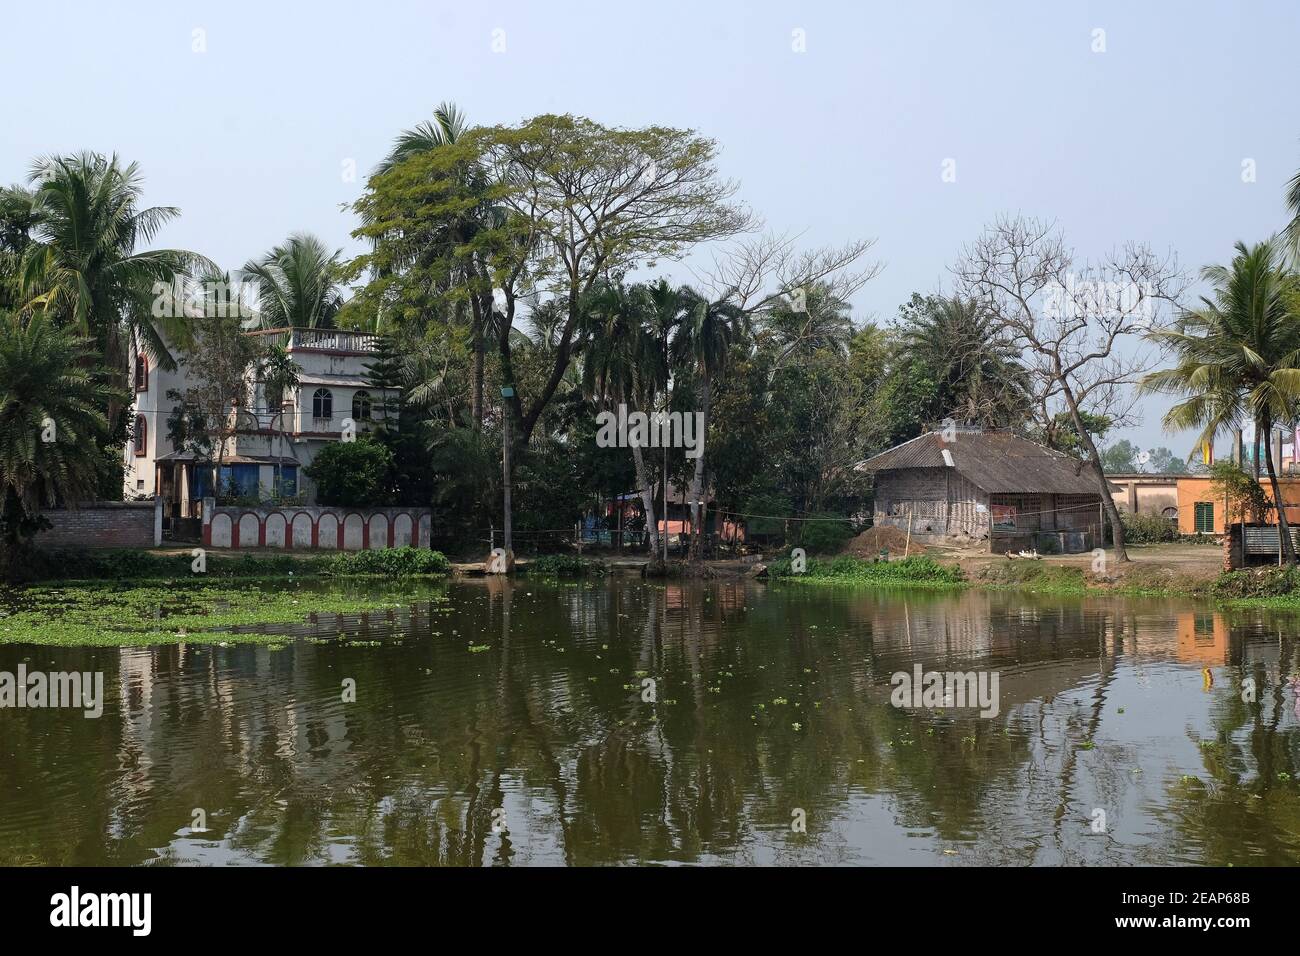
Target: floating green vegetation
110,615
919,570
136,565
561,565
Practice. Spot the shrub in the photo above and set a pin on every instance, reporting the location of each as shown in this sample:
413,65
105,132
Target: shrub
392,562
1261,583
1148,529
824,536
351,473
563,565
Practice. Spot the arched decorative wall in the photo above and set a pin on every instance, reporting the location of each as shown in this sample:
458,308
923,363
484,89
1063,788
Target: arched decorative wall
315,527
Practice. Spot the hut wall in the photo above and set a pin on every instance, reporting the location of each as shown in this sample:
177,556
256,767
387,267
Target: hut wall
937,502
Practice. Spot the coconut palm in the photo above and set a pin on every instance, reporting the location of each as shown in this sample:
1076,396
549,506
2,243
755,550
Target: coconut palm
449,237
1236,357
82,264
298,284
447,127
52,422
704,337
280,376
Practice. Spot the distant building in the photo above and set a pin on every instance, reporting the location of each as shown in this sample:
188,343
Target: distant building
271,446
1146,494
986,485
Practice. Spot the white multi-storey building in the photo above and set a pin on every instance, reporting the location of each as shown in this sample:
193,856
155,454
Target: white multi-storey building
270,448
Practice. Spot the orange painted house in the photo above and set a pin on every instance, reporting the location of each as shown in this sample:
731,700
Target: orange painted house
1200,510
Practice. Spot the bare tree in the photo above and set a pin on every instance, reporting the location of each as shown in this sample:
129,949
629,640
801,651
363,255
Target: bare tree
1080,323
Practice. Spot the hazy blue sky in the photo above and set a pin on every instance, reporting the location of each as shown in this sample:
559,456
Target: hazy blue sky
1144,141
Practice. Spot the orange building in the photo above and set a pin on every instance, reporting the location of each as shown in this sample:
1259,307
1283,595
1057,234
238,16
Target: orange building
1201,511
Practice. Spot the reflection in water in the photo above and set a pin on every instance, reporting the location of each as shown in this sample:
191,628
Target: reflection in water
521,703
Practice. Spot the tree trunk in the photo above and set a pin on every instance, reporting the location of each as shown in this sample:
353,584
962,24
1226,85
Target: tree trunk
477,333
697,480
1283,529
647,498
1107,502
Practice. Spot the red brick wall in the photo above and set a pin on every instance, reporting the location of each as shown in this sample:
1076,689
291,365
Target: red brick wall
113,524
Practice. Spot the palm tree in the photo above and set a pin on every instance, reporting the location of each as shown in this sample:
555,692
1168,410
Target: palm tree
52,423
280,375
704,337
816,320
298,284
977,369
82,265
447,127
1236,357
626,362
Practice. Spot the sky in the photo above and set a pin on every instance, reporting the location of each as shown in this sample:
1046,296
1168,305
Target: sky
835,118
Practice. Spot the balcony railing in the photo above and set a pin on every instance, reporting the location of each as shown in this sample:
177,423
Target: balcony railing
333,340
326,340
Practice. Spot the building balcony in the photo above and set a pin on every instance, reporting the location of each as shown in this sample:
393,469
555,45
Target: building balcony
336,341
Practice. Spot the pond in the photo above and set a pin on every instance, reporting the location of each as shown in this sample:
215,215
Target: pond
615,721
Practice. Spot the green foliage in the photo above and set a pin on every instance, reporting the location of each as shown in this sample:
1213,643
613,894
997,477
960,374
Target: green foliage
1148,529
1063,436
563,565
826,536
52,428
1246,498
915,570
134,564
352,474
297,284
974,368
389,562
1260,583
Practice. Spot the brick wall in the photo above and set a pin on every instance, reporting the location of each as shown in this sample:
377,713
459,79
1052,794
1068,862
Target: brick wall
103,524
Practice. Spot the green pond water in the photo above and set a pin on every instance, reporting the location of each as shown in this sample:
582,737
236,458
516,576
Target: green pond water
511,723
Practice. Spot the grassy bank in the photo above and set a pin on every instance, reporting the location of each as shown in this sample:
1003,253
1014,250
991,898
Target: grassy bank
1262,587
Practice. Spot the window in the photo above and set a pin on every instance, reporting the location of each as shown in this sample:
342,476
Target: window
239,481
1203,517
288,481
322,403
141,372
361,407
141,436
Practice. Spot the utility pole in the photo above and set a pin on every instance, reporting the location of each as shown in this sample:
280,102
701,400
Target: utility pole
507,393
665,444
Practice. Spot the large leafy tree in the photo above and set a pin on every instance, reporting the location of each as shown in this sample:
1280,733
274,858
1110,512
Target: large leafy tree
52,423
1237,357
297,284
574,203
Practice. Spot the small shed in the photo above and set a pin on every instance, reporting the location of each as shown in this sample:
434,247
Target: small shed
971,484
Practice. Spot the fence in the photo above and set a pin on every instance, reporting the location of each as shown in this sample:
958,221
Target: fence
309,527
